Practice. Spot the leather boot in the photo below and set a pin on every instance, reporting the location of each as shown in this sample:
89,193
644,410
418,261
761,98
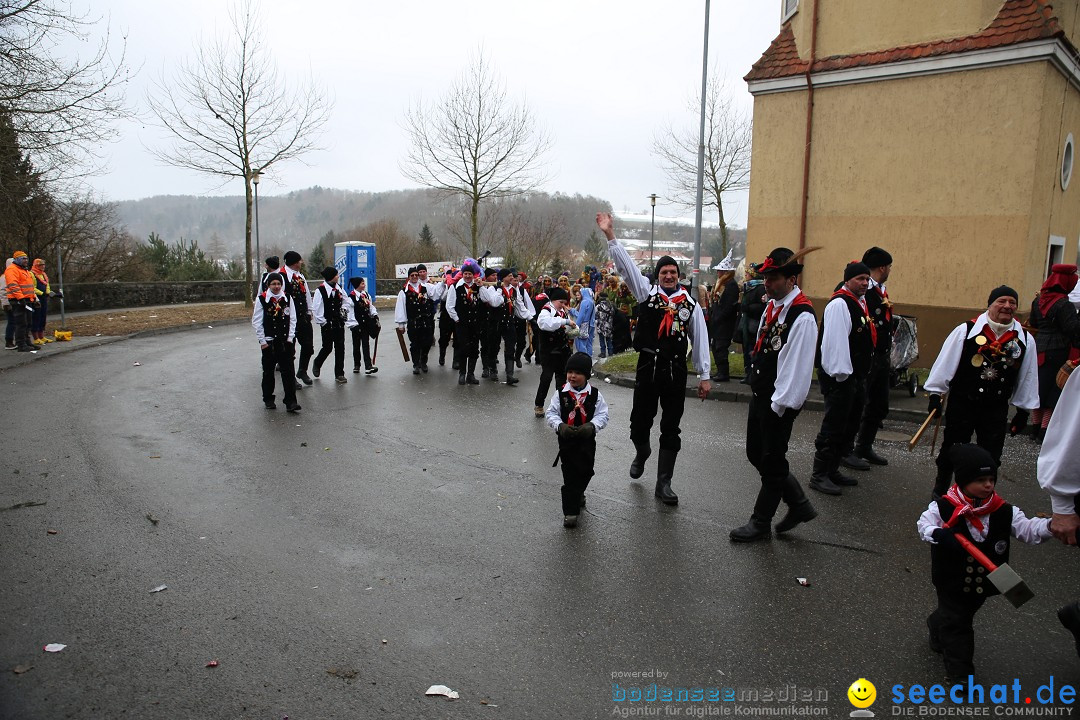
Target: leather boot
471,377
866,452
799,508
637,465
841,479
665,468
461,377
853,461
756,529
442,355
510,379
820,481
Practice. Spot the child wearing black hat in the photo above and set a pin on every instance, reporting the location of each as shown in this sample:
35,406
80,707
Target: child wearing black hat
274,320
367,325
576,411
973,510
333,313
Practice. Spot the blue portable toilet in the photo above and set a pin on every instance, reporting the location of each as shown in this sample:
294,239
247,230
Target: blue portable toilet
354,259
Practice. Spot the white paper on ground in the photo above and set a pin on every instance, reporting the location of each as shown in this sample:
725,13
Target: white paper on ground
442,690
54,647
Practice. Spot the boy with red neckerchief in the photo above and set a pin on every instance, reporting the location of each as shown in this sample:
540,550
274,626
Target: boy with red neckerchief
973,509
985,365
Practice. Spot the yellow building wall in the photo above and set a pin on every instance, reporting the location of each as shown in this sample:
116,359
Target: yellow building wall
1068,15
846,27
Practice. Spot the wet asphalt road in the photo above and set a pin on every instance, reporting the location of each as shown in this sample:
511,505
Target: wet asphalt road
403,531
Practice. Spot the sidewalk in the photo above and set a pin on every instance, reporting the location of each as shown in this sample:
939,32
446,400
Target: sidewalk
901,405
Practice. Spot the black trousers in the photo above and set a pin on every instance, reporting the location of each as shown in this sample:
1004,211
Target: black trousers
952,625
420,341
489,344
577,455
521,337
533,349
20,321
658,382
877,402
466,342
843,410
360,348
510,345
446,331
767,437
306,340
987,421
278,355
333,338
721,345
552,365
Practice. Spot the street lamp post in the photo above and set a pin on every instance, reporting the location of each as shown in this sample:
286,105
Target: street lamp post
652,227
255,177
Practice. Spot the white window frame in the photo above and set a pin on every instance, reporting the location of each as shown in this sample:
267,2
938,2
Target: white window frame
787,9
1056,241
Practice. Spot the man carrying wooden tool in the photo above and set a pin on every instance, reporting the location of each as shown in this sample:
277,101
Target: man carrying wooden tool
985,364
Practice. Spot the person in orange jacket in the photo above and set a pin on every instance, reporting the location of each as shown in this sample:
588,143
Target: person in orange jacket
20,294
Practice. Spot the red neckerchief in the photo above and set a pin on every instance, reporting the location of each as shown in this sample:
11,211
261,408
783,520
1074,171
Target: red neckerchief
276,302
964,508
995,343
508,293
844,292
301,285
884,295
771,317
409,289
579,404
670,308
468,292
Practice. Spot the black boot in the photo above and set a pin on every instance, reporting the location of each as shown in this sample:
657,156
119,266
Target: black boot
1070,618
471,377
756,529
799,508
442,355
461,378
637,466
853,461
866,452
665,468
484,373
510,379
820,481
841,479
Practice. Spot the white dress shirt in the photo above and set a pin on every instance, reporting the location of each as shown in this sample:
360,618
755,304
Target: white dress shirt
257,318
795,364
401,315
1059,458
553,415
1029,530
523,307
318,310
835,332
1025,394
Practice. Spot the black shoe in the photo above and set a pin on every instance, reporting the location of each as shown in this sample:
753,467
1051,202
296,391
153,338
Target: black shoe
665,494
416,370
372,371
299,386
823,484
1070,618
442,356
637,466
341,380
935,640
294,408
841,479
270,404
461,378
26,348
751,531
868,454
511,380
665,469
315,370
854,462
518,362
722,378
528,360
484,373
455,365
424,368
803,512
471,379
356,369
9,346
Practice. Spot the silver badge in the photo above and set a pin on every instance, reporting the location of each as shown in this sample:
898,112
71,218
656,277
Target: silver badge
1013,348
1000,547
776,342
684,314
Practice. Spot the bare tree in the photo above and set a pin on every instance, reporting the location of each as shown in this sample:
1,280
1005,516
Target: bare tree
61,109
232,115
475,142
727,152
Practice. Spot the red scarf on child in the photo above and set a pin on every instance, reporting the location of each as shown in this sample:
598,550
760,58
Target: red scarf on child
964,508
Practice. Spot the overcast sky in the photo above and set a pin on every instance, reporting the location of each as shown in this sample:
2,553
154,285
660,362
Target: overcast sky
602,76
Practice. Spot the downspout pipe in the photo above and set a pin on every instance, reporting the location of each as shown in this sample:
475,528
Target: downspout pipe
809,123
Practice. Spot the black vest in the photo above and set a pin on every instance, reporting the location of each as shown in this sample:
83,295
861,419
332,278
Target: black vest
651,313
764,362
994,377
275,317
506,317
555,342
296,289
566,405
418,308
958,572
860,342
881,315
468,310
334,311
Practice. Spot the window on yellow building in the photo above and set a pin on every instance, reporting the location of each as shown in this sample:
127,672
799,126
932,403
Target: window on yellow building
1067,162
1055,253
788,8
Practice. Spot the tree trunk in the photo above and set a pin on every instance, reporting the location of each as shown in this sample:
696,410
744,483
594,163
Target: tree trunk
474,221
248,299
723,230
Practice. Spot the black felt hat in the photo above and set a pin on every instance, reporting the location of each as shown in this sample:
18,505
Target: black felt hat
855,269
580,362
557,293
777,262
876,257
971,462
292,257
1002,291
329,273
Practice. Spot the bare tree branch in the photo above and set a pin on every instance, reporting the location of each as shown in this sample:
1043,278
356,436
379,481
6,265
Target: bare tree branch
475,143
231,114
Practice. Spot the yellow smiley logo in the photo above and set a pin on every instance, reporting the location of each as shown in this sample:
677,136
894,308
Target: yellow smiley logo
862,693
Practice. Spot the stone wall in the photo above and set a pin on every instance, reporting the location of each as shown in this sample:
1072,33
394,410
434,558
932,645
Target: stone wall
109,295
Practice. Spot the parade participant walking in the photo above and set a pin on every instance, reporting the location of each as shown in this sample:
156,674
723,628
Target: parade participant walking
973,510
274,321
553,320
524,289
1058,336
539,300
489,334
297,290
848,338
669,319
415,310
1059,475
334,315
780,371
464,307
272,265
367,325
21,297
510,305
877,383
984,364
723,316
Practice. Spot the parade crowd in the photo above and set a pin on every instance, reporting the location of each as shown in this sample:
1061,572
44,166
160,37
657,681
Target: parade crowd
986,365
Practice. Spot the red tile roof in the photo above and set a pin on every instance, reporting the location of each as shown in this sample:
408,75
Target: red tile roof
1018,21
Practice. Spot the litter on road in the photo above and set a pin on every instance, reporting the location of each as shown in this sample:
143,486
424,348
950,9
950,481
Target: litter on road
212,663
54,647
804,582
442,690
159,588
